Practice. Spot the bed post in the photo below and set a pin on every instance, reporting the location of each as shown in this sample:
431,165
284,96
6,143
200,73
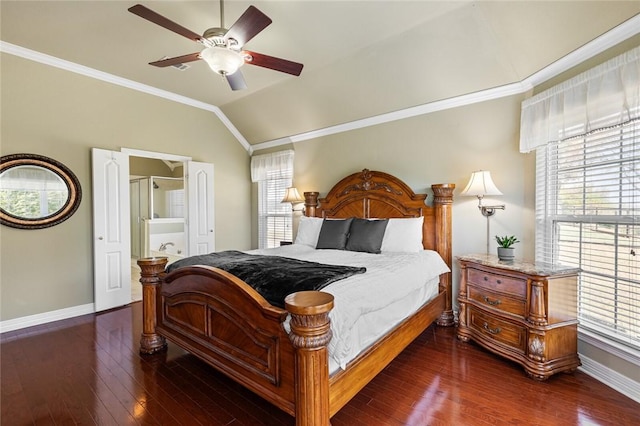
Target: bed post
310,334
150,277
443,200
310,203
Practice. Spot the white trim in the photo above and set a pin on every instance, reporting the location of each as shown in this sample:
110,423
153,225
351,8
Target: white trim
110,78
611,378
46,317
618,34
153,154
622,32
612,37
457,101
621,351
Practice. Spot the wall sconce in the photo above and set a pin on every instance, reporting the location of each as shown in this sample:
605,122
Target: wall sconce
293,196
481,184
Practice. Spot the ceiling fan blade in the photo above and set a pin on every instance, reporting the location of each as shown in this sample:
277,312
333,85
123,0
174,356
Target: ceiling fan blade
248,25
158,19
236,81
274,63
177,60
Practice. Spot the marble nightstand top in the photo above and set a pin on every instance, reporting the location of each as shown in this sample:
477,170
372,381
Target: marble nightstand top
523,266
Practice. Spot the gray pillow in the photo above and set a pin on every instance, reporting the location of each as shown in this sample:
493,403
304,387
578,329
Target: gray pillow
366,235
334,234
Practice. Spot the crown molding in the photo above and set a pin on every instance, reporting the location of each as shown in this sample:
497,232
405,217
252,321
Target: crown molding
454,102
45,59
616,35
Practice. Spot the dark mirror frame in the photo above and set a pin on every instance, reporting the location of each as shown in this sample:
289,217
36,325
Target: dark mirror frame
70,180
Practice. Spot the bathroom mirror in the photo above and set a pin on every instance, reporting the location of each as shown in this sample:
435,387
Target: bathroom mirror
36,191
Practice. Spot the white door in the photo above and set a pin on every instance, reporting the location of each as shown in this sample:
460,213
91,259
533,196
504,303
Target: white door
200,221
111,232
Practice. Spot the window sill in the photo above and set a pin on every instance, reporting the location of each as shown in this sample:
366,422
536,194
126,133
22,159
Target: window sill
614,348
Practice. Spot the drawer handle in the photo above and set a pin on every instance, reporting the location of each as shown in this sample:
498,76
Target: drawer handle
491,302
499,282
491,330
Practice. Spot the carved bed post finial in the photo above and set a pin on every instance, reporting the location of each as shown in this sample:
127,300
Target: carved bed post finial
310,334
152,268
310,203
443,200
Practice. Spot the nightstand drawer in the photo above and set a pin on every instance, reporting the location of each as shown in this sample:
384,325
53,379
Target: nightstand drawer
497,330
496,282
501,302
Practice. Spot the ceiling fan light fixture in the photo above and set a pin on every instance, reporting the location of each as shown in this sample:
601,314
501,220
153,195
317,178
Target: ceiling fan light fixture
222,60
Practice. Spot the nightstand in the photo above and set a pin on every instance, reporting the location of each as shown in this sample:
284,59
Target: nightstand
526,312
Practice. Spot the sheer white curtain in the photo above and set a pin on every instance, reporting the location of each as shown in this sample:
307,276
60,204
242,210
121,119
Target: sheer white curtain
606,95
276,165
274,174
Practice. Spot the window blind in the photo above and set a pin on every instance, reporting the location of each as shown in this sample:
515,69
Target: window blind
275,217
274,174
588,216
586,132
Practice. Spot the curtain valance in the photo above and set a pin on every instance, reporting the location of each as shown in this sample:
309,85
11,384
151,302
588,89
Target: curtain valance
577,106
277,165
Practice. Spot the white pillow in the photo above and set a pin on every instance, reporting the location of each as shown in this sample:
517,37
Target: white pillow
403,235
308,231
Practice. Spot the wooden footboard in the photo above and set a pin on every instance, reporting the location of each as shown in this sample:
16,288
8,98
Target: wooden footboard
219,318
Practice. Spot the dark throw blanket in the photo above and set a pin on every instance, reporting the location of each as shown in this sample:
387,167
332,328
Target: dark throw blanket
274,277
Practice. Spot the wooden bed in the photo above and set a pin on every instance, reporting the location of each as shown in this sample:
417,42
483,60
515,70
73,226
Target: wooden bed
223,321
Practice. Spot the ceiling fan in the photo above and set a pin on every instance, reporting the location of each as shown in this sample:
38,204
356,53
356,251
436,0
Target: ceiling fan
223,47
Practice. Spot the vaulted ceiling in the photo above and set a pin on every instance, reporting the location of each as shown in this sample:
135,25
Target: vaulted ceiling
361,58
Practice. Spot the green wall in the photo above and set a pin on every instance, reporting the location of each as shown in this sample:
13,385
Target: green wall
62,115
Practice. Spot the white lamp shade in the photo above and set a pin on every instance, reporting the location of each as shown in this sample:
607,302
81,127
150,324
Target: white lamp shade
292,196
222,60
480,185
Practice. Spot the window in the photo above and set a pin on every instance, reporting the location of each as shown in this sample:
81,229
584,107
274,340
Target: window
588,215
586,133
274,174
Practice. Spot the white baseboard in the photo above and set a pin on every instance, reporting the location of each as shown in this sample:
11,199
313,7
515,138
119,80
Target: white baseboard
611,378
46,317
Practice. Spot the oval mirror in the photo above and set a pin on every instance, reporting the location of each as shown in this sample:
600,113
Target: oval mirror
36,191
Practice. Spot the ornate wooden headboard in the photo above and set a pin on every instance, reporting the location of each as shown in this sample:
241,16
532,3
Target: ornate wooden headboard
372,194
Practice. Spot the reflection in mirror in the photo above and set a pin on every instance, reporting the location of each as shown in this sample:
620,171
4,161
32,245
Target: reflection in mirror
168,197
32,192
36,191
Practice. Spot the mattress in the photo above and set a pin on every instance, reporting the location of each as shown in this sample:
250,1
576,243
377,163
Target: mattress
368,305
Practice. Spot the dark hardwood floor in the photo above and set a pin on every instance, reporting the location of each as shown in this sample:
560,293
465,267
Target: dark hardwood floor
87,370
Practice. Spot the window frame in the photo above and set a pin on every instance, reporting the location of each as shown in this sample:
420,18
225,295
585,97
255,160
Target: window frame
549,219
270,208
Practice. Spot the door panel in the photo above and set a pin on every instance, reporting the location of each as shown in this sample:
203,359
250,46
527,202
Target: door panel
200,207
111,229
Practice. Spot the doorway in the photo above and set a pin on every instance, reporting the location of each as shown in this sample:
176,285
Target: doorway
113,266
157,205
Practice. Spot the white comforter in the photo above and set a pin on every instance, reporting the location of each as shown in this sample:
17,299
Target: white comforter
368,305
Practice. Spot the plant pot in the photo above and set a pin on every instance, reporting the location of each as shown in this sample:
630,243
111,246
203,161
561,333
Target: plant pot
506,254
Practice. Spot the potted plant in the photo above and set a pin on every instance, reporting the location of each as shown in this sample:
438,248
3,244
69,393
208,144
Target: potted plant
505,250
